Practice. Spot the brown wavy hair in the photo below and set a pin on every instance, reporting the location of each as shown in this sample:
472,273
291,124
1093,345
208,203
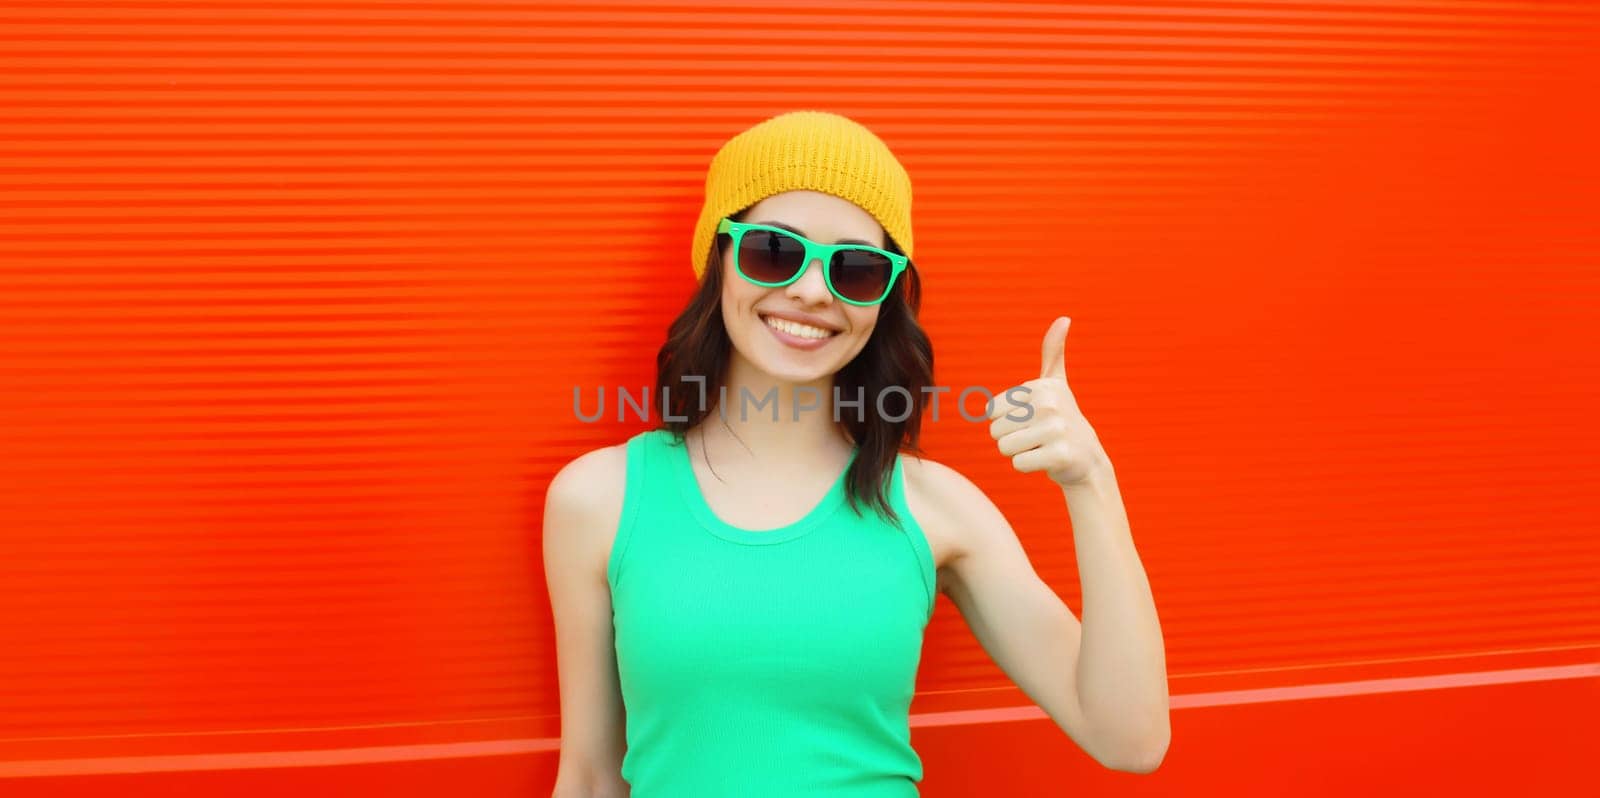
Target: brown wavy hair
898,353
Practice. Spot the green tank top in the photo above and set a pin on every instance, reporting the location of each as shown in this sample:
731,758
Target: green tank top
773,663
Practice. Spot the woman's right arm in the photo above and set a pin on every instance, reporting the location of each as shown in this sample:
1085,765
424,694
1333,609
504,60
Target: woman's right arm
581,510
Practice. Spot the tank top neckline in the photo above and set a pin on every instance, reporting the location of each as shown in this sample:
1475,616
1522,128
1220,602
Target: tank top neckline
692,495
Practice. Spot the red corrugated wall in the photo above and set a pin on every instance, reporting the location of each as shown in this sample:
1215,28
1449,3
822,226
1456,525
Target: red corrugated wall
295,295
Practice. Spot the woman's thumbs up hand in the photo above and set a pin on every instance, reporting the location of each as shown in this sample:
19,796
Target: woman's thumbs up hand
1048,433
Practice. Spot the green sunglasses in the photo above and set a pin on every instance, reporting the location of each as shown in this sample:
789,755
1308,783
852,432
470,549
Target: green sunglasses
773,257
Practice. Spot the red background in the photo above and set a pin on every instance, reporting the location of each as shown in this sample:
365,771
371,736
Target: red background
295,295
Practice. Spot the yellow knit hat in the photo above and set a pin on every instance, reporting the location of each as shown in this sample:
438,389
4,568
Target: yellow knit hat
815,150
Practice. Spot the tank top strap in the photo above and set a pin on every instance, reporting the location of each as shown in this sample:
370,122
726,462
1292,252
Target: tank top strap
915,537
647,485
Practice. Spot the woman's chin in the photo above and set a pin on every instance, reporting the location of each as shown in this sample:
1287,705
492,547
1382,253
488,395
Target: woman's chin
783,366
796,376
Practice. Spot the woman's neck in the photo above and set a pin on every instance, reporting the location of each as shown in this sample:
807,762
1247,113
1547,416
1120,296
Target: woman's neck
773,424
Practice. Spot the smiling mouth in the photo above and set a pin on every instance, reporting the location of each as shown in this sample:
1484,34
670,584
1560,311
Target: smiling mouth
797,329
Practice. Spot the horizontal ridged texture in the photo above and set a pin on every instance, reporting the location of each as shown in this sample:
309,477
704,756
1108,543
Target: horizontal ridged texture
295,296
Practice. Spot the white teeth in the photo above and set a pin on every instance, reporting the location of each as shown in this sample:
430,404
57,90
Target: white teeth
797,329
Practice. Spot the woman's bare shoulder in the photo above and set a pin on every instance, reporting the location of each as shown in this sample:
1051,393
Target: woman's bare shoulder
930,478
583,504
596,464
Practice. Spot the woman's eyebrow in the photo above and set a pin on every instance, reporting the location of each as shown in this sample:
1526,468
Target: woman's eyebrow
798,231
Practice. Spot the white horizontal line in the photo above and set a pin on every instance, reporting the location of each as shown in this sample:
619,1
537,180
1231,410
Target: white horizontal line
1264,695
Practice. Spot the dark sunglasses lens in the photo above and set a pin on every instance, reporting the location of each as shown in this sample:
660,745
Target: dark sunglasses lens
861,275
770,257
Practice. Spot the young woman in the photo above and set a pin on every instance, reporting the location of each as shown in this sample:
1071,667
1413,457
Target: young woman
740,594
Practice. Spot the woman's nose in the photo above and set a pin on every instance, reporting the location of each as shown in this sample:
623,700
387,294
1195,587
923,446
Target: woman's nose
812,287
